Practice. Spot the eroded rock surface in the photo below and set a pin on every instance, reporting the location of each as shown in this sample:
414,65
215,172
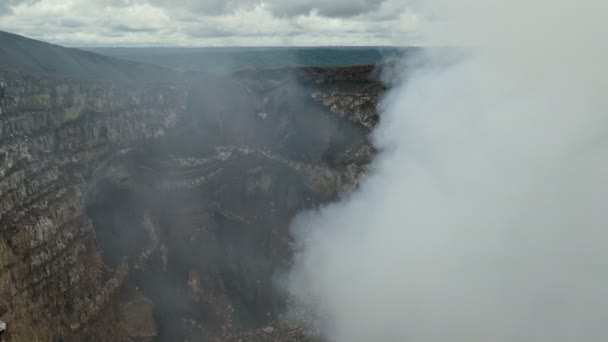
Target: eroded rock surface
53,133
160,211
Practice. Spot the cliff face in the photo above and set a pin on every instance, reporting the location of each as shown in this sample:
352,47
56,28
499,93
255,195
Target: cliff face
142,211
53,133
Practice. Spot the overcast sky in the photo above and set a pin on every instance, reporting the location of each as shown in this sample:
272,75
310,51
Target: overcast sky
212,22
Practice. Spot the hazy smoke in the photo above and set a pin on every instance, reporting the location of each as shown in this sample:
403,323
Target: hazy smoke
485,218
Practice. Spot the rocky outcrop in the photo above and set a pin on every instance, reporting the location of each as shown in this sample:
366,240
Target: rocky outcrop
142,211
283,331
53,132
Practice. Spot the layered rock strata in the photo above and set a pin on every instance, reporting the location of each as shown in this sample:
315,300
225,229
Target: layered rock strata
160,211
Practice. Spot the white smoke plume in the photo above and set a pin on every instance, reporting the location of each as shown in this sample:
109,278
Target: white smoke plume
485,217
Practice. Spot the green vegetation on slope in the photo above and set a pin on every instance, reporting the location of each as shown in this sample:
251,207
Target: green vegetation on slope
22,54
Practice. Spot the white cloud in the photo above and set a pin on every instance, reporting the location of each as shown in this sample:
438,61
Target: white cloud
483,219
211,22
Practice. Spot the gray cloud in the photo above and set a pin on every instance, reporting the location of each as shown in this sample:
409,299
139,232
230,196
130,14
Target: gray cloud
206,32
336,8
209,22
290,8
7,5
71,23
125,28
206,6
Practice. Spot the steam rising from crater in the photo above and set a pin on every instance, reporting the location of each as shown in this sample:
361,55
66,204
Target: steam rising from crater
484,219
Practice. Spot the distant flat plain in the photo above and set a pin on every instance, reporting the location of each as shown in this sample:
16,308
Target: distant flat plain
230,59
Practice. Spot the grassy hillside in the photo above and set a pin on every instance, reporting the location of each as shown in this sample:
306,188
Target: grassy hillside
19,53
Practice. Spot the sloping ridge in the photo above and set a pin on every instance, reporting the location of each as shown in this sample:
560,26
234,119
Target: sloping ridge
21,54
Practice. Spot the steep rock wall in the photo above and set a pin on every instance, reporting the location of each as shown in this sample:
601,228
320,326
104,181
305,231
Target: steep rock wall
134,211
53,132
